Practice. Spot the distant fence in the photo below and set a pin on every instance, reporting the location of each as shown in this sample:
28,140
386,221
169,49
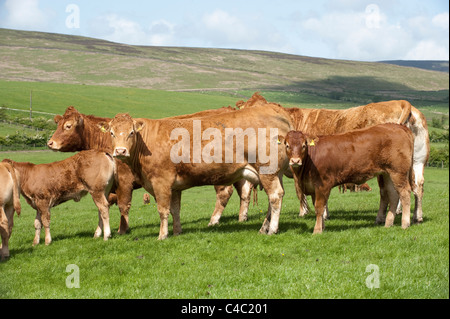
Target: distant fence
26,111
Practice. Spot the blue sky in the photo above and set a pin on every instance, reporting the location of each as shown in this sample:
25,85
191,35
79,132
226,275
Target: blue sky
338,29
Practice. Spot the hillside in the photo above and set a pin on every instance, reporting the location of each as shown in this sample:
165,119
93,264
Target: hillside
441,66
44,57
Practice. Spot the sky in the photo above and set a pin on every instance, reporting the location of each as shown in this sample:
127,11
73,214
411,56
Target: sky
362,30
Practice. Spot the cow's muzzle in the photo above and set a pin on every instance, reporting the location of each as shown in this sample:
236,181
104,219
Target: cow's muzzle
295,162
51,144
121,152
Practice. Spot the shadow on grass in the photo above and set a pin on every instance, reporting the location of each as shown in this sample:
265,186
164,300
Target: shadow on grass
339,221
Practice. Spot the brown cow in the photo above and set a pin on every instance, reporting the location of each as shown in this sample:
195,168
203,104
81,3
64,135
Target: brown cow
9,202
77,132
167,167
319,164
47,185
324,122
354,187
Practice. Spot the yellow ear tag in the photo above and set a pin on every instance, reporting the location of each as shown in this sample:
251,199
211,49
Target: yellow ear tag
312,143
103,129
278,142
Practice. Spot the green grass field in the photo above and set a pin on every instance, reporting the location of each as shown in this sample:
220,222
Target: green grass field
233,260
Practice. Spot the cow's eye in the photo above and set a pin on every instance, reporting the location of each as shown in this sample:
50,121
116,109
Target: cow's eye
131,134
68,126
112,134
287,145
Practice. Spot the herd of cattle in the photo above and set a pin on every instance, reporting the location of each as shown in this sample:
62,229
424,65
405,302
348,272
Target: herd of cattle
319,148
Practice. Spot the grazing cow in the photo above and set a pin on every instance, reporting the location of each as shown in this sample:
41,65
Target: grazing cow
354,187
150,148
9,202
364,187
319,164
325,122
77,132
47,185
146,199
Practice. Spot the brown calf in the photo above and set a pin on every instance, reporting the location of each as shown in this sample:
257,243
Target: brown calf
9,202
319,164
47,185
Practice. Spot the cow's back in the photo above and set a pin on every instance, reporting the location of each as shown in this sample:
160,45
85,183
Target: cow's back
327,121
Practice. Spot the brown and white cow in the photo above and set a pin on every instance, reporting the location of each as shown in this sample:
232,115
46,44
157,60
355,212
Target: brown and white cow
77,132
149,147
321,163
325,121
9,202
47,185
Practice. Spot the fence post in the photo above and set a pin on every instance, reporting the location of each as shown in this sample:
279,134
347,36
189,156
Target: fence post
31,105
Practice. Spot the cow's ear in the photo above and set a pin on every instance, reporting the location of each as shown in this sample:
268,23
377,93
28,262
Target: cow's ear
104,126
57,118
312,140
138,125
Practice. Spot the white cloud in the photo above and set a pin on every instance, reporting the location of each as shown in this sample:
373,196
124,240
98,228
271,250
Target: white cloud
221,27
25,14
122,30
441,20
162,33
428,50
371,35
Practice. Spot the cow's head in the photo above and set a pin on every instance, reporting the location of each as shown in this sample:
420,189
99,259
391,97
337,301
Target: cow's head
67,137
297,145
123,129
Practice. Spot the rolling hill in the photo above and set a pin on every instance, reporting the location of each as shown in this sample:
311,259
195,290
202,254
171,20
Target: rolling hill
45,57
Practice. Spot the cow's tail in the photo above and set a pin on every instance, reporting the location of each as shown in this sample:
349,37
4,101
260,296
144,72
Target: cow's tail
406,112
16,192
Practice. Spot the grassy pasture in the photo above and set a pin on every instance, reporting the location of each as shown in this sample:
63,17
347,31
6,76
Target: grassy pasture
233,260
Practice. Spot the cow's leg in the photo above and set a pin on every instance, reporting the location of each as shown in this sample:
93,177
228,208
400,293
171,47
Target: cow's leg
175,211
99,229
124,196
303,201
163,197
3,232
244,189
393,200
418,194
405,199
384,201
6,225
42,219
37,228
320,205
402,185
223,194
274,188
101,202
